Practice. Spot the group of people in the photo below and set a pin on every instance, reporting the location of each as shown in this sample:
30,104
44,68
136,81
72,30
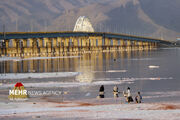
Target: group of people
127,94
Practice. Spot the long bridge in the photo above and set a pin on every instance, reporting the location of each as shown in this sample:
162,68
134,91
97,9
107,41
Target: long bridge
57,43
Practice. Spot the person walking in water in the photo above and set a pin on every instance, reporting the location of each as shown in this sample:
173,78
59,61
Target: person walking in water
115,91
128,96
138,98
101,91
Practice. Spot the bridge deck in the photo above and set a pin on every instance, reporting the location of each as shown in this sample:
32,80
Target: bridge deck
26,35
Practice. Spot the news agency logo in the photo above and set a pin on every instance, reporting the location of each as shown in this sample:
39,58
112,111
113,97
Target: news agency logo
18,93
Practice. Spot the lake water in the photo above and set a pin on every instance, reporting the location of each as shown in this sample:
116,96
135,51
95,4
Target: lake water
124,69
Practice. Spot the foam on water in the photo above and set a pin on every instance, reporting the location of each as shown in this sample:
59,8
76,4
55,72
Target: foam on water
38,75
110,71
10,59
39,58
33,58
162,94
115,81
141,59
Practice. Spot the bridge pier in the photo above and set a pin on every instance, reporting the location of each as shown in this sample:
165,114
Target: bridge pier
128,47
135,46
122,45
140,44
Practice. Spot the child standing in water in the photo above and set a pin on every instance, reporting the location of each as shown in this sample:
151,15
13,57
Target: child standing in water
138,98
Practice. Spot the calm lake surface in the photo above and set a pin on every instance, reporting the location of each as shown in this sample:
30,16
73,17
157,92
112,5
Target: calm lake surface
113,68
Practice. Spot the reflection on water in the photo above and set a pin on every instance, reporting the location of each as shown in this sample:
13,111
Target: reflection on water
92,67
86,64
121,68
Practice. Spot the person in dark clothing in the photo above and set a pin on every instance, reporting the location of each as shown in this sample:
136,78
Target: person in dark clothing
101,88
101,91
138,98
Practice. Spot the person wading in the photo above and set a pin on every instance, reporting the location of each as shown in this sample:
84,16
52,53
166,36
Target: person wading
115,91
101,91
138,98
128,96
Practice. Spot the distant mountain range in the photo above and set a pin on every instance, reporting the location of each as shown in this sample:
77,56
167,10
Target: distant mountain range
155,18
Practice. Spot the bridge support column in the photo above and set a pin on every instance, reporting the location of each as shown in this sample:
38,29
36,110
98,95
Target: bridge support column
135,45
84,44
62,45
24,49
59,41
151,45
40,42
90,44
24,42
55,46
107,44
41,48
129,45
143,44
75,44
66,44
70,44
35,47
115,44
30,42
54,42
100,43
45,46
7,43
13,43
121,44
13,48
146,45
155,44
28,49
16,47
6,51
49,46
140,44
45,42
6,47
97,43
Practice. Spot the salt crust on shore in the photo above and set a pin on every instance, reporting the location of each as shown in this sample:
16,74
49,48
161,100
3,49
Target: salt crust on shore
91,110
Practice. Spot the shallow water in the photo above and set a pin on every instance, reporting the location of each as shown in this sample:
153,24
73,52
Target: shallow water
114,68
